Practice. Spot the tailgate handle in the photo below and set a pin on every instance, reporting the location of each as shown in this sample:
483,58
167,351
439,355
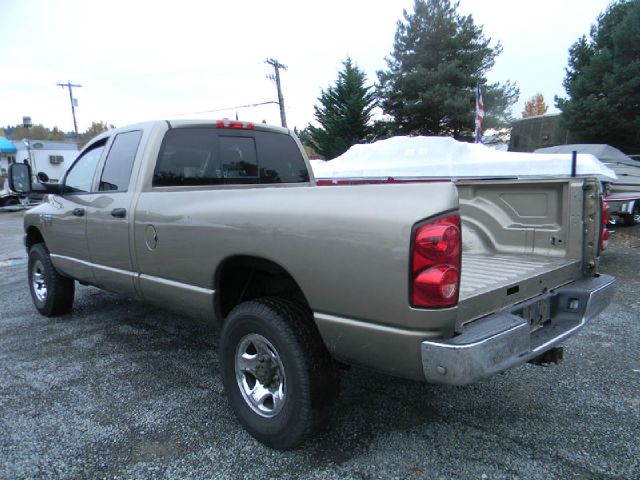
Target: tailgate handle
119,212
78,212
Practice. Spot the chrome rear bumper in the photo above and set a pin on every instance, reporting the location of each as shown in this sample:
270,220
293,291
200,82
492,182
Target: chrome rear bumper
497,342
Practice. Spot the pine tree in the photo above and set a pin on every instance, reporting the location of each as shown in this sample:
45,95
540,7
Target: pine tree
344,113
603,80
438,59
535,106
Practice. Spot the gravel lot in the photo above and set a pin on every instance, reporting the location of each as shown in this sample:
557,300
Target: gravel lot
118,389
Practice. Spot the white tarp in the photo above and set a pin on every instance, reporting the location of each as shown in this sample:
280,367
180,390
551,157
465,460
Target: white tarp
444,157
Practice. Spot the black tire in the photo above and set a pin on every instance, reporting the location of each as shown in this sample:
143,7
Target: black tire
633,218
310,381
10,202
52,293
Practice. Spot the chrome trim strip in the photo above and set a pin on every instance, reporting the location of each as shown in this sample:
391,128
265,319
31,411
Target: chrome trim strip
173,283
363,324
119,271
95,265
71,259
142,276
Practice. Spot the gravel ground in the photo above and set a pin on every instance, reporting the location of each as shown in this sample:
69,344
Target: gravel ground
118,389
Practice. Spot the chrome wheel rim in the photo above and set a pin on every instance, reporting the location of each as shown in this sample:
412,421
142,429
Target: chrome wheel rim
260,375
39,281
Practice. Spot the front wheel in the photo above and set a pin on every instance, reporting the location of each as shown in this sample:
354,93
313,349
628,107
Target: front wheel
52,293
278,376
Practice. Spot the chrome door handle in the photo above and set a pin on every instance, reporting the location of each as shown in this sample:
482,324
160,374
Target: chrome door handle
78,212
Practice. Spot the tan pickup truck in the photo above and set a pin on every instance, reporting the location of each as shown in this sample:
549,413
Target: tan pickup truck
432,281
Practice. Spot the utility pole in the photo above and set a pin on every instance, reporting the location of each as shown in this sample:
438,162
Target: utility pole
27,124
277,66
73,101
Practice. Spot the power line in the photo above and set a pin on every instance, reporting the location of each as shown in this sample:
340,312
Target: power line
70,86
223,109
277,66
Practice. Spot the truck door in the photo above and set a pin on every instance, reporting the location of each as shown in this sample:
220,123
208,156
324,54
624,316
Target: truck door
66,228
109,220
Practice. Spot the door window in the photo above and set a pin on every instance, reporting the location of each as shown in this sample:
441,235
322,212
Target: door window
79,179
117,168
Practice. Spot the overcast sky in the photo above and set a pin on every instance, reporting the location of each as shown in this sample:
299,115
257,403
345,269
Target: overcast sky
140,60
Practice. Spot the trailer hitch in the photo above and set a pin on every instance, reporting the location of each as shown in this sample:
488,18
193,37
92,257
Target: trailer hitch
553,355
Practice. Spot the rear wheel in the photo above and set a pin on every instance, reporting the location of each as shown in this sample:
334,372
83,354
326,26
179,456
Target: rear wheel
52,293
280,379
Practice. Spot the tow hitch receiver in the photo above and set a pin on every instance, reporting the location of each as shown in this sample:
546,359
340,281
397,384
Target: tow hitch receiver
553,355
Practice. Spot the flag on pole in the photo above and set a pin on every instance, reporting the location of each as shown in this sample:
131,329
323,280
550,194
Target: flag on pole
479,114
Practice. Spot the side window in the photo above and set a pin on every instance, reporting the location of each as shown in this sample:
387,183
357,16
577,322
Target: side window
280,159
117,168
188,157
80,177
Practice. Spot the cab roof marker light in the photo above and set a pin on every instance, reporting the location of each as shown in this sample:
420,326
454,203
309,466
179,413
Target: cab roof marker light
235,124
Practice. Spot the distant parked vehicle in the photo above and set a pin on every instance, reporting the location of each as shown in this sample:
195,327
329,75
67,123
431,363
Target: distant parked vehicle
7,197
10,198
621,196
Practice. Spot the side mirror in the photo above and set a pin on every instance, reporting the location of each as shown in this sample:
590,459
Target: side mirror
42,177
20,178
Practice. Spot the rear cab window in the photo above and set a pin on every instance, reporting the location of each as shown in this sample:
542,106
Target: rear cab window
210,156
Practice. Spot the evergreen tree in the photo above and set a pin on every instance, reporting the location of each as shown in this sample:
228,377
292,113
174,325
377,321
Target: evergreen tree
603,80
535,106
344,113
438,59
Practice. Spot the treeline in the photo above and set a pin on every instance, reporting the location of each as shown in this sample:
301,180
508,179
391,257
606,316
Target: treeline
40,132
37,132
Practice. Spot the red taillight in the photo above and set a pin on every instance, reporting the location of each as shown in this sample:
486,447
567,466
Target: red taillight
236,124
604,218
435,263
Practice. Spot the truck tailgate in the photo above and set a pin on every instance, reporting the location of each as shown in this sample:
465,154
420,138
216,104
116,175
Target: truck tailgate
522,239
490,282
